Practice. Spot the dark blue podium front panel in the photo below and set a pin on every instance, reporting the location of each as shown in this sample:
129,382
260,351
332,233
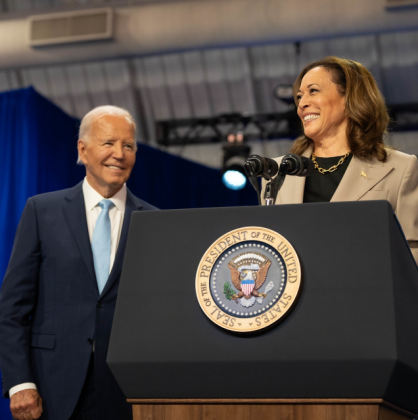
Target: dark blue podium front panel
352,334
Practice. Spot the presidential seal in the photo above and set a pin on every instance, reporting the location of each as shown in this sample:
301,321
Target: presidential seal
248,279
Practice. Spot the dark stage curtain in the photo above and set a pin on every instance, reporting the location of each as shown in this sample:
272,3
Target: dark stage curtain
171,182
38,154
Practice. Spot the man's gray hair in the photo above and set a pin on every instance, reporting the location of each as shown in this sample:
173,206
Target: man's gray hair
97,113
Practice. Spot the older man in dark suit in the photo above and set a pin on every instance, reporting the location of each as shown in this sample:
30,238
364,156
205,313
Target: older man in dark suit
59,293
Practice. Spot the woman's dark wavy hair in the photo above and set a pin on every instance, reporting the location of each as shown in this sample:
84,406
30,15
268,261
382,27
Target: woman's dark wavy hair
368,118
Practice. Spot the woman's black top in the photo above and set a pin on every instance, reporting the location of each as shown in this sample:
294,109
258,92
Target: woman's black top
321,187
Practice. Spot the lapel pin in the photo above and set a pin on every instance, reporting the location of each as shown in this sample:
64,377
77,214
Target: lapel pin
363,174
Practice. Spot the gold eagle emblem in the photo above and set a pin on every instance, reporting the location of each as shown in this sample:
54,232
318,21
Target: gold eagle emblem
248,274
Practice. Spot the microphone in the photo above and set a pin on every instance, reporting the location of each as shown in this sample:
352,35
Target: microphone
291,164
268,168
257,165
298,165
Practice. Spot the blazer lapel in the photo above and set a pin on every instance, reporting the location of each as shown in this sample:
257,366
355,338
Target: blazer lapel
132,204
75,214
361,176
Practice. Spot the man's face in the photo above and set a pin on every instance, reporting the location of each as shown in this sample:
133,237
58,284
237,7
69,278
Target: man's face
109,154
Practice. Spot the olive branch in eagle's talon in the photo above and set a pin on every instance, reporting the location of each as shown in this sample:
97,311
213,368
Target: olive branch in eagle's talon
229,292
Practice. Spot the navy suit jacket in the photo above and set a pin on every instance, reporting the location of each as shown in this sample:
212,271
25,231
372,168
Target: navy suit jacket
51,310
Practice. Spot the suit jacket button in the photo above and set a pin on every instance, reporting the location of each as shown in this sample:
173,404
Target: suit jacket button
99,305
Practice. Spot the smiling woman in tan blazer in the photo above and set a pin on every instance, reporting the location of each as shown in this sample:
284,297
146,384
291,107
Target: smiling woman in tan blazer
344,119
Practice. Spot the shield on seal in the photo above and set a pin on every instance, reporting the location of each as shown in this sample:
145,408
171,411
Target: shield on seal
247,286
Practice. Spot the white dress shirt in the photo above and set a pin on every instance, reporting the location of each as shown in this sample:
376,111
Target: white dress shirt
91,200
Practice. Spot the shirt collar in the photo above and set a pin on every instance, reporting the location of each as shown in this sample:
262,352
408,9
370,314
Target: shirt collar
92,198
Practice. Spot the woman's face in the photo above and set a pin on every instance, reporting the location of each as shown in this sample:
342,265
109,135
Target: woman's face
321,107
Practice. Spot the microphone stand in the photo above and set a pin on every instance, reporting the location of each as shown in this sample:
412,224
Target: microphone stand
274,185
291,165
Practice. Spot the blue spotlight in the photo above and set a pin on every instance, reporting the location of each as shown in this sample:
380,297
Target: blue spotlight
234,180
235,154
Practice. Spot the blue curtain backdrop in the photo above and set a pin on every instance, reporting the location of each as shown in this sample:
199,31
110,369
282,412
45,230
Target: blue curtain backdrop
38,154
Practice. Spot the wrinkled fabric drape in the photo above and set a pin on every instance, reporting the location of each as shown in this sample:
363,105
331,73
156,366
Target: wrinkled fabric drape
38,154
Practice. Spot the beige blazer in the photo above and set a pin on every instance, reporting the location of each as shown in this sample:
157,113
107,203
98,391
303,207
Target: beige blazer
395,180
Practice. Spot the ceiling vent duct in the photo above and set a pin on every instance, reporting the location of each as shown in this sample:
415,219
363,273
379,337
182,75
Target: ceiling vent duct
400,4
70,27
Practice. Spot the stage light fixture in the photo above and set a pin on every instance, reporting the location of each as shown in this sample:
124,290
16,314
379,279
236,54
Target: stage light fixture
235,155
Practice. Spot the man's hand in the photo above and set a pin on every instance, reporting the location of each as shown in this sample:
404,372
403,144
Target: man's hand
26,405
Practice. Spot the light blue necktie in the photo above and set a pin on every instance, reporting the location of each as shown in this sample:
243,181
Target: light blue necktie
100,245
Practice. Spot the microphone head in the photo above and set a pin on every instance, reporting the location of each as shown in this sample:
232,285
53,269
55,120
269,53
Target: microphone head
261,166
271,167
308,165
254,163
298,165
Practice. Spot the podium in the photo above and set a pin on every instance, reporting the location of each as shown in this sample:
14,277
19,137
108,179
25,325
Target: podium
348,349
